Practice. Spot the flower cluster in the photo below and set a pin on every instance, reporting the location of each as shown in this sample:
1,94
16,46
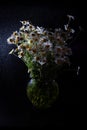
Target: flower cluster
42,45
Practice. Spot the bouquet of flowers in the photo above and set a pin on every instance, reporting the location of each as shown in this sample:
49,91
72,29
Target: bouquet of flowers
43,52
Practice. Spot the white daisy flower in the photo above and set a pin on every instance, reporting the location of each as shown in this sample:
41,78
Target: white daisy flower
25,22
70,17
40,30
10,40
72,31
48,45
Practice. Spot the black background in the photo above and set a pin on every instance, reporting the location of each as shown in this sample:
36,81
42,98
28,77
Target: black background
15,109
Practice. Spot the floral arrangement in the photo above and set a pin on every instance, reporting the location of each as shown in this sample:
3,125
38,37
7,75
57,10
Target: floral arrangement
44,52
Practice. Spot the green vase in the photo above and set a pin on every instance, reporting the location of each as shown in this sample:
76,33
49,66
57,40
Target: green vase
42,94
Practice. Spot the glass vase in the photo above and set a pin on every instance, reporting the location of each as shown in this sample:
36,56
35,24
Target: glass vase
42,94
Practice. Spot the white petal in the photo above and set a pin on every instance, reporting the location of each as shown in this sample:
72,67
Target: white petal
11,51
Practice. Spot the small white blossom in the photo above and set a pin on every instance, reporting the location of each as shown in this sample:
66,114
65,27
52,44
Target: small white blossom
72,31
66,27
22,28
70,17
78,69
40,30
31,27
19,48
10,40
25,22
48,45
41,62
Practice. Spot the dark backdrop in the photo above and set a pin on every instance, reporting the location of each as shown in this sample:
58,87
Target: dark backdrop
15,110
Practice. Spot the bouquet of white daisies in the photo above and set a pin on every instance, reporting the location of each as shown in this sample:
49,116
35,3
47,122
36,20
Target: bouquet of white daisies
44,52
